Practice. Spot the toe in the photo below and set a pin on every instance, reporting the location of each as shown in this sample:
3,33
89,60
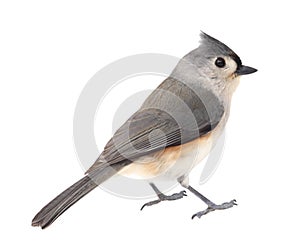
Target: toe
194,215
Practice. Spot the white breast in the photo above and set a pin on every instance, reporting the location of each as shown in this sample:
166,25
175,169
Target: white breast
176,161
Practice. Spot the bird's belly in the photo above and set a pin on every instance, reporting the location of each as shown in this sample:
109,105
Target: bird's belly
172,163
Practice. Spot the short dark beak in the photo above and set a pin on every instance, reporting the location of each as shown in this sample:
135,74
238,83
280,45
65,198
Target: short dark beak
242,70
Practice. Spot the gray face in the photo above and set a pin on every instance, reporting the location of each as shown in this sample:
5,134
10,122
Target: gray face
216,61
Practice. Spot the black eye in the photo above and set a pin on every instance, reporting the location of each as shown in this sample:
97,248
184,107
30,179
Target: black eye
220,62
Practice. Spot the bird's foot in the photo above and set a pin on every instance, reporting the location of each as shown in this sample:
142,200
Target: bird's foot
162,197
213,207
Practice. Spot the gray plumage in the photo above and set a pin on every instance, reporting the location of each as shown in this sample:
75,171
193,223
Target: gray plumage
189,104
70,196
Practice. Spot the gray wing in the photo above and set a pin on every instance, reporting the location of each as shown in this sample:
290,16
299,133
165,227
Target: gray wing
172,115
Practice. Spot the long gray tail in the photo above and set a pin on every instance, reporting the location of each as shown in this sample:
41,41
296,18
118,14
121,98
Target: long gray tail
70,196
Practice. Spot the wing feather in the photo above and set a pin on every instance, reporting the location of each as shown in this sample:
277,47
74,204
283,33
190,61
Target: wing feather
153,128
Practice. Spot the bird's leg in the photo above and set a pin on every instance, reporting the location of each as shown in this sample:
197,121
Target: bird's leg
211,206
163,197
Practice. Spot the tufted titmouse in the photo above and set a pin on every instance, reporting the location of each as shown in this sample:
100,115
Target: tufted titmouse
173,130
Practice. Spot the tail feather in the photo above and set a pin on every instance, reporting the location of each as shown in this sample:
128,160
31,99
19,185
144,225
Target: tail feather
70,196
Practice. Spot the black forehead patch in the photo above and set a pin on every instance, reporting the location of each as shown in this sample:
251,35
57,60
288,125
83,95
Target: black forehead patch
237,59
218,48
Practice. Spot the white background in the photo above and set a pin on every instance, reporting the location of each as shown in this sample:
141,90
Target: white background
48,51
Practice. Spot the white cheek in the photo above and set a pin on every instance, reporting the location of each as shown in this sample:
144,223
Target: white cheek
227,70
231,67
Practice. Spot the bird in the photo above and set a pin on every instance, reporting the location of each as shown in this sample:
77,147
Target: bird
174,130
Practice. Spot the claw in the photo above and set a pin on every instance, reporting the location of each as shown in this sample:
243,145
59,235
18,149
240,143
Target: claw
214,207
163,197
150,203
200,214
